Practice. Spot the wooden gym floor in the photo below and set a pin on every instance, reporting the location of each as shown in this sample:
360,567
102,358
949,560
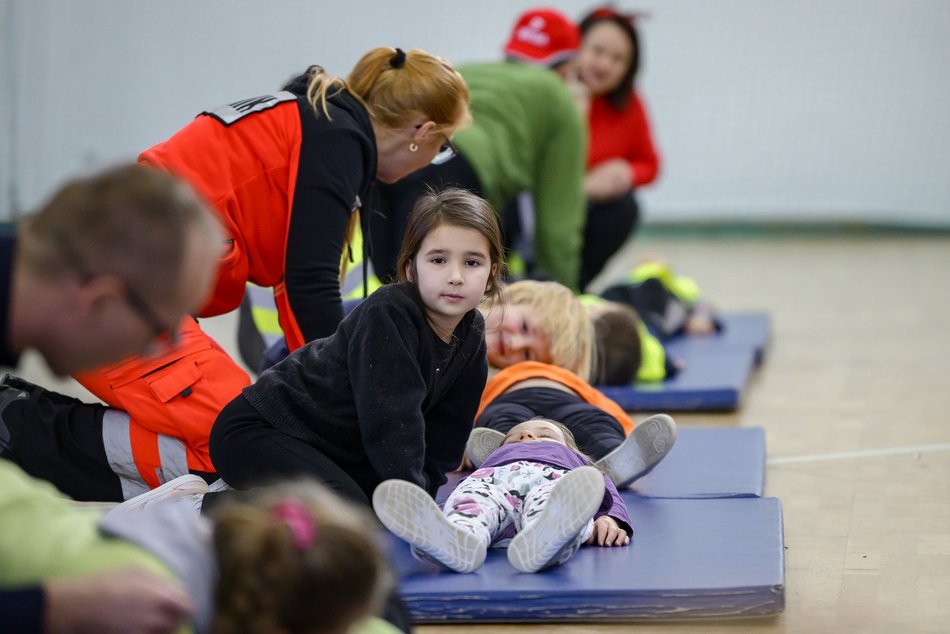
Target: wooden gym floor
853,396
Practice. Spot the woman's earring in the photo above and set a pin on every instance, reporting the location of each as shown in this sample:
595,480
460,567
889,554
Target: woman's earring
413,147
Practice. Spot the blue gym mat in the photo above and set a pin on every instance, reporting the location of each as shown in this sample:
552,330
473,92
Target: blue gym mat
754,328
704,463
688,559
717,370
740,329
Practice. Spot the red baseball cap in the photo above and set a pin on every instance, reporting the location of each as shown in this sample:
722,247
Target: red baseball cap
543,36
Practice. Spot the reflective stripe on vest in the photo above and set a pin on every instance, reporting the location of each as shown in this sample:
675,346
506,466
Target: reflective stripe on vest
652,352
264,309
116,439
264,313
652,357
352,287
174,458
685,288
118,446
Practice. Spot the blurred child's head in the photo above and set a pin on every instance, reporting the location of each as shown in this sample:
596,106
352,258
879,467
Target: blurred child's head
617,332
453,252
539,321
538,429
296,558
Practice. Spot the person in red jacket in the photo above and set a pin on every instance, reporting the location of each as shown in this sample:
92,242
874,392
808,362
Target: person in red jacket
287,174
622,155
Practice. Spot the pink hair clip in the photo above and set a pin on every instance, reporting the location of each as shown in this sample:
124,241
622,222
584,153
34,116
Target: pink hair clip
298,519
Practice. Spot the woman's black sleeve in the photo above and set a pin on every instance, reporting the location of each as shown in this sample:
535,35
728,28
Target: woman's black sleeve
328,182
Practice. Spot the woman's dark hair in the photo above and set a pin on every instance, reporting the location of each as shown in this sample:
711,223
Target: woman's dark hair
619,97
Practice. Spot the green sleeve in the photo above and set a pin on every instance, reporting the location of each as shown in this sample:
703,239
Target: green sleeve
43,534
560,210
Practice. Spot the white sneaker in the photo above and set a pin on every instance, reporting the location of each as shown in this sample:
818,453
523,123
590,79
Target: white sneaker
408,512
572,503
643,449
219,485
184,486
481,443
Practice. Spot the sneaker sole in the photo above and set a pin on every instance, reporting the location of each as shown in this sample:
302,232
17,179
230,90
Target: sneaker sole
641,451
482,442
410,514
571,505
175,489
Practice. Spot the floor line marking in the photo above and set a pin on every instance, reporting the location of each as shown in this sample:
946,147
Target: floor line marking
872,453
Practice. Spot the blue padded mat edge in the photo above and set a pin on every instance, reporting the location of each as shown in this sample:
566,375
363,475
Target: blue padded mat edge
688,559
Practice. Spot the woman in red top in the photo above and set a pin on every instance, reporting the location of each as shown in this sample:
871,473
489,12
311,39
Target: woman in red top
622,156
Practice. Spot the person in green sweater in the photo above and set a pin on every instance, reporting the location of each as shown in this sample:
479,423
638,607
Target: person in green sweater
527,134
291,558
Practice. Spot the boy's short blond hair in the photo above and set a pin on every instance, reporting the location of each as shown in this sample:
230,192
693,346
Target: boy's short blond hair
561,319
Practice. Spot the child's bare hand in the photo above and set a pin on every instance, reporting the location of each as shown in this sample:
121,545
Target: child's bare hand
701,322
609,180
466,465
608,533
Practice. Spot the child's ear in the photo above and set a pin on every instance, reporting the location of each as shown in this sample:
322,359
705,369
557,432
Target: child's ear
409,271
491,279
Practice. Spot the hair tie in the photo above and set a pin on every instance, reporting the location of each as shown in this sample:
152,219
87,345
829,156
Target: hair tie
298,519
399,59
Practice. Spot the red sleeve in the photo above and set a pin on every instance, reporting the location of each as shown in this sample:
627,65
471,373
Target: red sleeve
642,155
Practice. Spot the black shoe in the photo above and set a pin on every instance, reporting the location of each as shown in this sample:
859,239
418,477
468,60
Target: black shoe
9,393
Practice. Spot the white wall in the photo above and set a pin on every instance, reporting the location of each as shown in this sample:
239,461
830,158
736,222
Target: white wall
801,109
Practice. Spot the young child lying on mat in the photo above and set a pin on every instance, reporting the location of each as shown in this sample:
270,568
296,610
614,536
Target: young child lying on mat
602,429
292,559
537,490
539,321
633,318
669,304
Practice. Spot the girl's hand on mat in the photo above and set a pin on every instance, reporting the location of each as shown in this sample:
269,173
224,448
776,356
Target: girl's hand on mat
608,533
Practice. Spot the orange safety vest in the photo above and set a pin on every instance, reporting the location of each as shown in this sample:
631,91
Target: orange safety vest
524,370
252,185
173,401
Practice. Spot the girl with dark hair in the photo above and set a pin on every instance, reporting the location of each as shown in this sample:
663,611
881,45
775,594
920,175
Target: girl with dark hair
391,394
622,155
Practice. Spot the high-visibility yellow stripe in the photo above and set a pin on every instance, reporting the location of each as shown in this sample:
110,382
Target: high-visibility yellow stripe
264,310
683,287
652,353
652,357
266,320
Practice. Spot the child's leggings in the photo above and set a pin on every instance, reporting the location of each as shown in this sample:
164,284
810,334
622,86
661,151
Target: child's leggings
497,502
